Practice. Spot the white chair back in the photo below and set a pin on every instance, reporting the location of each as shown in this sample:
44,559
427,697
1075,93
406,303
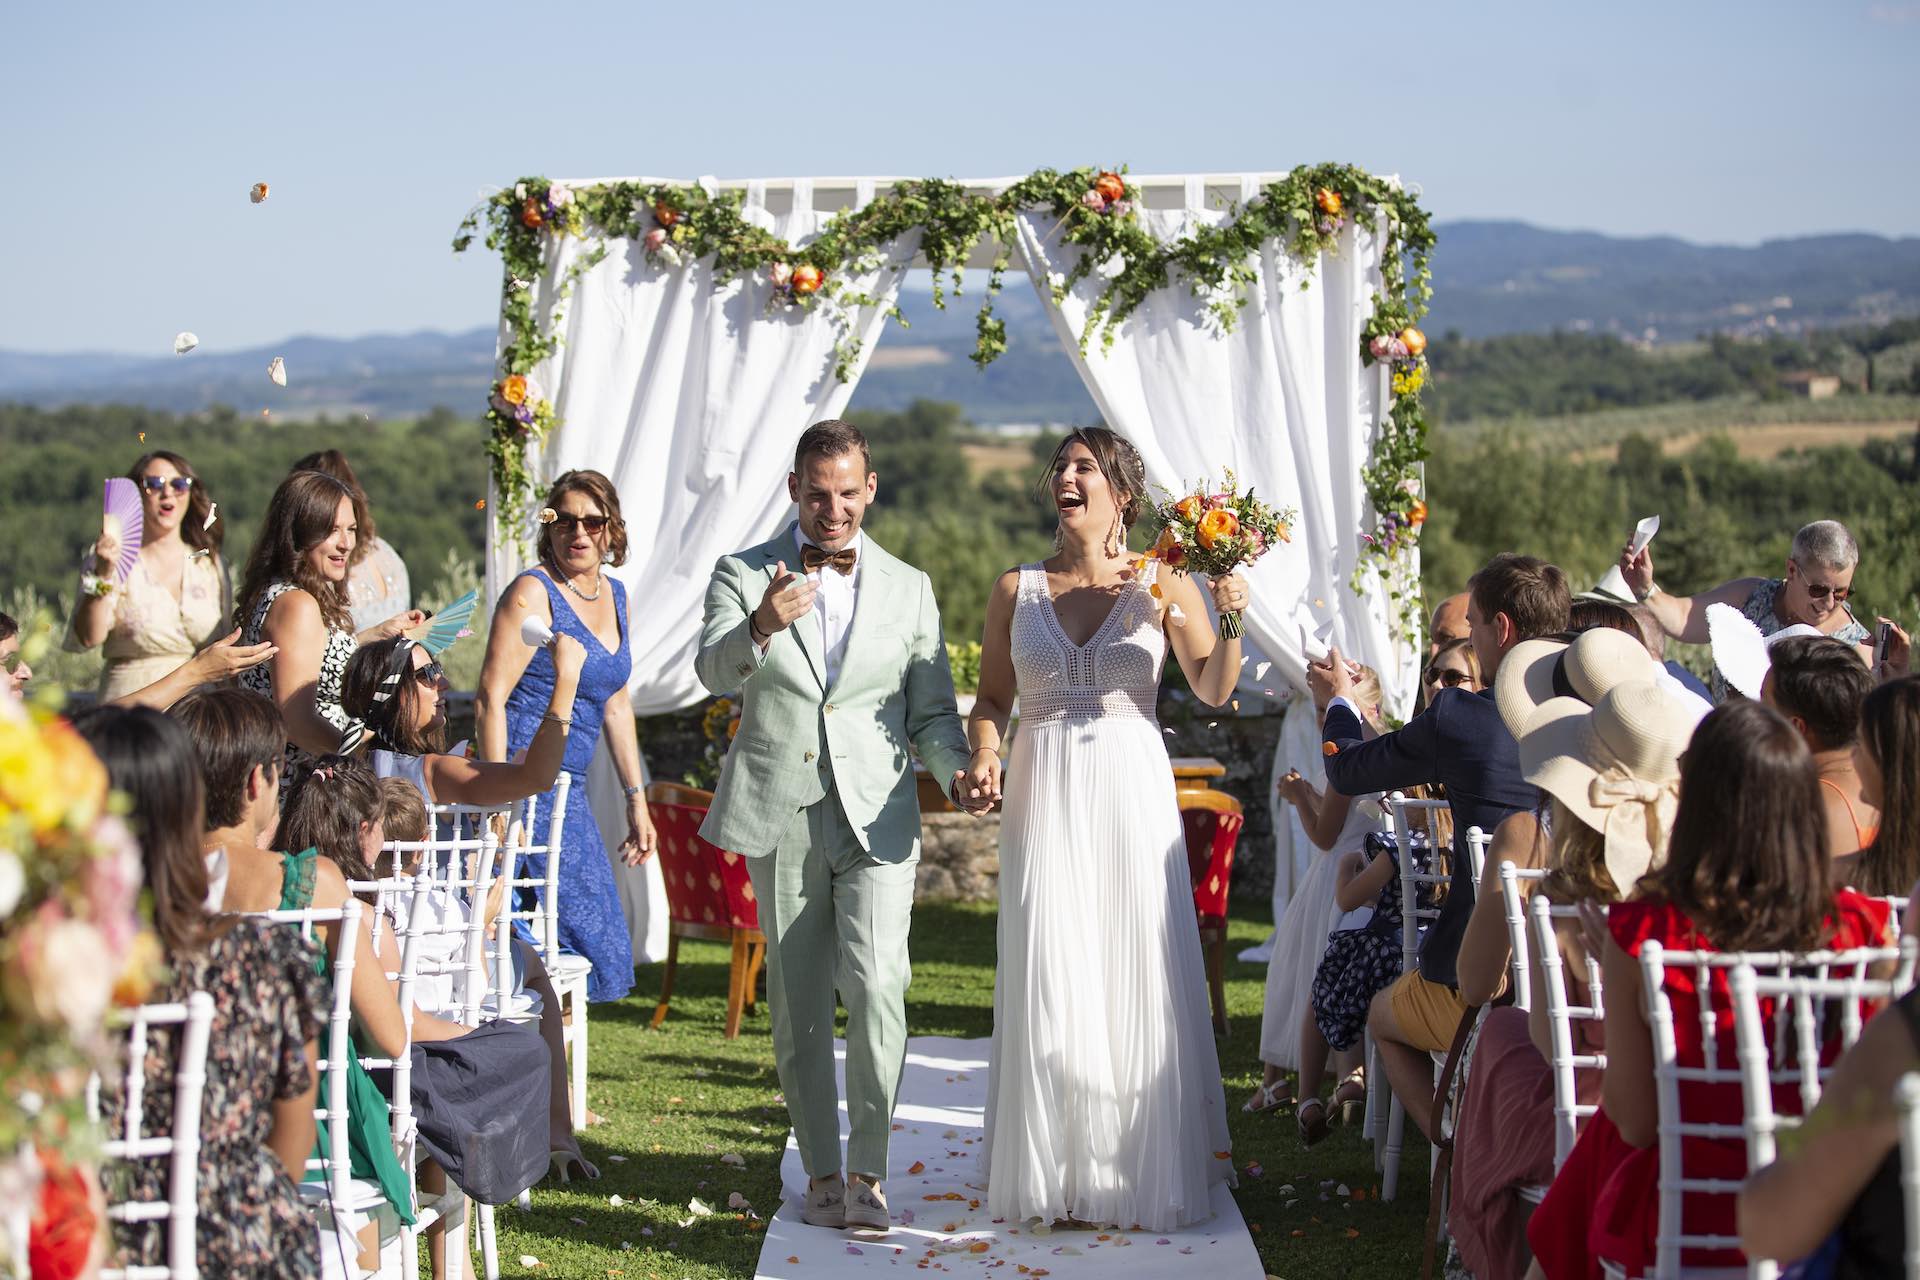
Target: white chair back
1478,842
334,1163
1400,811
1562,1013
451,870
1720,1066
1511,874
1906,1100
181,1149
1787,1049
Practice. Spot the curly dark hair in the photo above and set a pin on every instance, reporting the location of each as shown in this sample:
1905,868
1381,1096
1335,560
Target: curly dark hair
1119,463
299,518
193,529
1746,861
600,491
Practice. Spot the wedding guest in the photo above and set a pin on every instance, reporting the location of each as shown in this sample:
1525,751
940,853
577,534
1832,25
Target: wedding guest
1605,837
1886,758
1460,743
14,671
1338,826
409,728
174,601
1745,871
570,592
1836,1191
1450,666
377,583
240,740
1819,579
257,1123
1588,613
1818,685
292,598
1655,636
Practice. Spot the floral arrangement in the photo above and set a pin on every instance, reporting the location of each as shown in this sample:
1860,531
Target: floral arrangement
1215,533
1096,210
71,940
718,723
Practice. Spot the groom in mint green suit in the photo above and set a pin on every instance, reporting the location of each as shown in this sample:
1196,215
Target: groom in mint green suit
836,651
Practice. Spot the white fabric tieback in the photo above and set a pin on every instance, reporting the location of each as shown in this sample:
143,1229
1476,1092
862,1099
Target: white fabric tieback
1637,815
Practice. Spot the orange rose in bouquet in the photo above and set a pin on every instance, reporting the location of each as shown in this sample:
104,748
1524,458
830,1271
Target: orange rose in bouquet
1215,531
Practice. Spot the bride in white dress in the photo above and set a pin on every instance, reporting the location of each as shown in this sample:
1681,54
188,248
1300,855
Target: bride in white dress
1104,1101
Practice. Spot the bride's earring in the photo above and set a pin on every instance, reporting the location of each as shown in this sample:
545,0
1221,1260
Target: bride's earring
1059,538
1113,538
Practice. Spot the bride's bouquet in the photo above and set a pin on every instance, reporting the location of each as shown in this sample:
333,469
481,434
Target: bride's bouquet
1214,533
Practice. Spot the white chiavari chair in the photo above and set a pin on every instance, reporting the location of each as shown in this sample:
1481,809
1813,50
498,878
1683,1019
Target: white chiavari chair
1797,1051
1514,910
180,1149
337,1197
1720,1067
1562,1016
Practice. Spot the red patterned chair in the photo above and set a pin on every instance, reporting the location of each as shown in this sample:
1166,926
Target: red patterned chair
1212,820
708,896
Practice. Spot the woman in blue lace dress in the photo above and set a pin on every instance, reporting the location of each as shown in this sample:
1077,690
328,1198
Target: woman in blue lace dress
580,532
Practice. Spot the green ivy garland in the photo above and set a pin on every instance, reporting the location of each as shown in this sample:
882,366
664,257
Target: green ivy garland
1305,211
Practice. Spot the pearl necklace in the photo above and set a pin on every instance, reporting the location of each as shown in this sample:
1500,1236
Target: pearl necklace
568,584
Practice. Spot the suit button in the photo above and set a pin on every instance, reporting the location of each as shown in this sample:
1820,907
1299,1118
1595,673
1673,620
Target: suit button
808,756
828,708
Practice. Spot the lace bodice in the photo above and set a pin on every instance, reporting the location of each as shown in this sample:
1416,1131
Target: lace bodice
1116,672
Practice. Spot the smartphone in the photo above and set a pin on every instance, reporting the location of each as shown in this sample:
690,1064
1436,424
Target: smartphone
1882,637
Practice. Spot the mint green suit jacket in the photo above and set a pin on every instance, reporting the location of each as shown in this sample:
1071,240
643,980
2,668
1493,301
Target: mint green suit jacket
798,736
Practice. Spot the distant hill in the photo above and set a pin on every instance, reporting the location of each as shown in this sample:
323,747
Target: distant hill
1489,278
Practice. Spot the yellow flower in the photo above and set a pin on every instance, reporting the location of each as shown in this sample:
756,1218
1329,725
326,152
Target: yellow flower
1216,526
513,389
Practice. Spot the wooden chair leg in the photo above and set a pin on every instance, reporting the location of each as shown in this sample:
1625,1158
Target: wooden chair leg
736,983
1217,982
666,980
756,960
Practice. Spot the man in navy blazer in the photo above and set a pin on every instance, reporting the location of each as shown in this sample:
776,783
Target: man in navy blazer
1460,743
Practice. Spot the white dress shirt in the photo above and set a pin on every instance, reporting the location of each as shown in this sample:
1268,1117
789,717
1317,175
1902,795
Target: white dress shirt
835,595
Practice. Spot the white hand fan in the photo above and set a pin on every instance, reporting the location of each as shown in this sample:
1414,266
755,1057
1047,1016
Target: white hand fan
535,633
1739,650
125,519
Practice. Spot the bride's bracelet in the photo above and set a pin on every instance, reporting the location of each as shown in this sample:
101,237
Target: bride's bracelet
990,750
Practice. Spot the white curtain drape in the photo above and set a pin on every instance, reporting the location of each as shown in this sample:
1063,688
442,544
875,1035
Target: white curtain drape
1283,400
689,396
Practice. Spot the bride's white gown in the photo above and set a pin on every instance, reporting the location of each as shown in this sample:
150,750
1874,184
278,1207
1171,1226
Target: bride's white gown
1104,1100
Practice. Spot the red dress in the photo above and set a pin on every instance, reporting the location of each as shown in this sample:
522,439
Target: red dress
1605,1201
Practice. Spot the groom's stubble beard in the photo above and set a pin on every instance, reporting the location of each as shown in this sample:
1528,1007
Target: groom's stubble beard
827,473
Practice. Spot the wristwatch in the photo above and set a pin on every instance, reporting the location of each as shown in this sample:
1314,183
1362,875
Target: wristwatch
632,791
1648,594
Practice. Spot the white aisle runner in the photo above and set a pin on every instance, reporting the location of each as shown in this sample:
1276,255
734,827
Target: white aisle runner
938,1199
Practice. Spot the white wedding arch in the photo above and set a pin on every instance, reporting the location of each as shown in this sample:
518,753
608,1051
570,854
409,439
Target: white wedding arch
675,379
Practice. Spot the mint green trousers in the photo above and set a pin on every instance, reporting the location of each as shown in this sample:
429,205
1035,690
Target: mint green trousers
836,920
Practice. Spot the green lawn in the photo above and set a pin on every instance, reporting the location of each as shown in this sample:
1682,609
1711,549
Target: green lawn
679,1098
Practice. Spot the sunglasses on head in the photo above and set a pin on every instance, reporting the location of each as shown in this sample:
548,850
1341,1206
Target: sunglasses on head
1451,677
594,525
158,484
428,675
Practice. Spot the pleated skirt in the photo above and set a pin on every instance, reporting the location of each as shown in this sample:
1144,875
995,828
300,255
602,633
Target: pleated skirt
1104,1098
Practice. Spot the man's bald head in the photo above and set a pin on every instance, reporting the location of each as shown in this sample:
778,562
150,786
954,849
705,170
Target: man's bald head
1449,623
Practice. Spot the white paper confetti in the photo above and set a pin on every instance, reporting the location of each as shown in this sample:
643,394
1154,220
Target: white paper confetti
277,372
213,513
737,1161
615,1201
699,1208
184,342
259,193
528,1261
1260,670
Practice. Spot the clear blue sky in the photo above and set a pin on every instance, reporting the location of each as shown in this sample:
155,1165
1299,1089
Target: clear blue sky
132,131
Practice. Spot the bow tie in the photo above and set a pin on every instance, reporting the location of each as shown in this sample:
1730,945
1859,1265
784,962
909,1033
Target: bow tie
813,557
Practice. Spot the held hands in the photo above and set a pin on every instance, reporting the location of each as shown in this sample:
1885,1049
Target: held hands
227,657
641,842
1637,569
1229,593
976,789
788,596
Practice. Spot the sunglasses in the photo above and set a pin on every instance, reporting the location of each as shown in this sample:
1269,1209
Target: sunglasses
1821,591
594,525
428,675
1451,677
159,484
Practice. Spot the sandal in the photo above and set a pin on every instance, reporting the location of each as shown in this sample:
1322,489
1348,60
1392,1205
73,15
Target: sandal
1350,1098
1266,1098
1314,1129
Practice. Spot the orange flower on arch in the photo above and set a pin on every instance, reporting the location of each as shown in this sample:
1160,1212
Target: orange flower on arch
530,214
513,389
1216,526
